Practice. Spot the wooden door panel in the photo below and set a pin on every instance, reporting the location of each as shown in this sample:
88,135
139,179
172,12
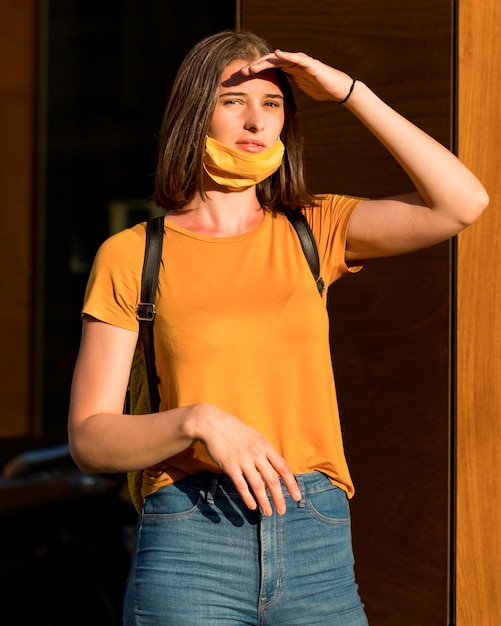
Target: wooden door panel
390,329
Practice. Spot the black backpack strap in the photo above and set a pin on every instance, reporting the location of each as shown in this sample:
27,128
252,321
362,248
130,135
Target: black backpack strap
308,244
149,282
146,309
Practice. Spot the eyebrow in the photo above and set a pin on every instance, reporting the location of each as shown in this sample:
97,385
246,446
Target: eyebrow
276,96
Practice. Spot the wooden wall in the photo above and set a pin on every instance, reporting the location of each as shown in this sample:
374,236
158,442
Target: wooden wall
389,324
478,386
17,111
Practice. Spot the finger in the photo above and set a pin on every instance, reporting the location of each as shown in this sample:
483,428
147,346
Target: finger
270,61
293,59
275,490
242,487
258,488
285,473
291,485
264,63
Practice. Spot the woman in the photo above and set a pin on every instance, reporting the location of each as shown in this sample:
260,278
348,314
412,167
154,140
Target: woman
245,517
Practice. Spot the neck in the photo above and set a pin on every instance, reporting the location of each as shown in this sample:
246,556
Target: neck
221,213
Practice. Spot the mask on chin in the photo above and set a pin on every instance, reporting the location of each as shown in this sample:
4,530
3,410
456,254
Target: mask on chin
237,170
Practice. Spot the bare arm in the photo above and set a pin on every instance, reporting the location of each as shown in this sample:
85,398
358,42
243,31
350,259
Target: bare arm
448,196
448,199
102,439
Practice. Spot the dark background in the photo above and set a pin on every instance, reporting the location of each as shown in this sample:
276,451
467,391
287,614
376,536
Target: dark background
107,67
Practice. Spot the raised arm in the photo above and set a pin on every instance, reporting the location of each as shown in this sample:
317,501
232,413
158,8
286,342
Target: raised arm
448,196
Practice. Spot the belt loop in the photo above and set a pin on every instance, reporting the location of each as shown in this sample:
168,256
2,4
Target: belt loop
302,488
210,494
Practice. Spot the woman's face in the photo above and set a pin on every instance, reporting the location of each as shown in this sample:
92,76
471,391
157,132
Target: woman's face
249,113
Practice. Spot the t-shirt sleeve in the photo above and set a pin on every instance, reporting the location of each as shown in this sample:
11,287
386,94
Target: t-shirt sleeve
113,287
329,223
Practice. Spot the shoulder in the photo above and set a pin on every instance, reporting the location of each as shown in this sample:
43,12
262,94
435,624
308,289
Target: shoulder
113,285
119,258
331,212
122,251
125,242
329,221
331,204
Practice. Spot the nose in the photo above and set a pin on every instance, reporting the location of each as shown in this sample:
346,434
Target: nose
254,121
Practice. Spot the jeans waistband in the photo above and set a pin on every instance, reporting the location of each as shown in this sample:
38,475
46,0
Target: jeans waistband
209,483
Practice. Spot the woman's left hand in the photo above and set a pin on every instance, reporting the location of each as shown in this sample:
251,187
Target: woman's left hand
449,197
318,80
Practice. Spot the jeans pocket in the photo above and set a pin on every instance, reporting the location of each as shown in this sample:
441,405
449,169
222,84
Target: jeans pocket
171,502
329,505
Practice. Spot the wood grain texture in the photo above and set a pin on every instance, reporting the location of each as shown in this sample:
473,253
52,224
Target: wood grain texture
479,325
390,323
17,40
401,49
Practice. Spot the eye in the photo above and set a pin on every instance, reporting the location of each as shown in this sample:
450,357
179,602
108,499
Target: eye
273,104
231,101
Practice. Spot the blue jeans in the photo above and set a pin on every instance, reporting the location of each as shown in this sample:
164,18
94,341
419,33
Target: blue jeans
203,558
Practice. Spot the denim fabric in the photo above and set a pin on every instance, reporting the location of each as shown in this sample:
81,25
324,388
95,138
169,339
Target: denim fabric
203,558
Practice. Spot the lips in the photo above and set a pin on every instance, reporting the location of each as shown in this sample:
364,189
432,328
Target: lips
251,146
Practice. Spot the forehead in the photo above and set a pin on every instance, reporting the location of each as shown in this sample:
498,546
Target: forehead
232,77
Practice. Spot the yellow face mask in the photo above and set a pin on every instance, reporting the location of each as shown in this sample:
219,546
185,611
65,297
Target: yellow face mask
239,170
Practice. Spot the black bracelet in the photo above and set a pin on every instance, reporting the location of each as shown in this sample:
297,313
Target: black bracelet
354,80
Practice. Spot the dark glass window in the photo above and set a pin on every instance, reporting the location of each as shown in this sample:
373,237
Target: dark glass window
106,70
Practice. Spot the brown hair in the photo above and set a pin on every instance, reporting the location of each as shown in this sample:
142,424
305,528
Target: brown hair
188,116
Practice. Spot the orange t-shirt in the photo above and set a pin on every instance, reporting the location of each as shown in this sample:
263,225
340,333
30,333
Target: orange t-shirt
240,324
